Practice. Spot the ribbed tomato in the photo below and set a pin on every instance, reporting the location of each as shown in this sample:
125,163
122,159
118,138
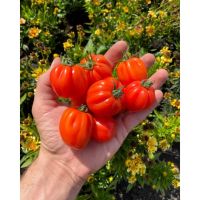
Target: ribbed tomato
139,95
131,70
69,81
104,97
97,67
76,127
104,129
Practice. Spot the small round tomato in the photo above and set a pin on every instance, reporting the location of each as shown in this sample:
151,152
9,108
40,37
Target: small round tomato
131,70
76,127
104,98
139,95
97,67
104,129
69,81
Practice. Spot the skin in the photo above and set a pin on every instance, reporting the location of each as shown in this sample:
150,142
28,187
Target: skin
59,169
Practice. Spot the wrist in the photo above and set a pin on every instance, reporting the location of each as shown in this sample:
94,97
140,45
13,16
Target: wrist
60,170
49,178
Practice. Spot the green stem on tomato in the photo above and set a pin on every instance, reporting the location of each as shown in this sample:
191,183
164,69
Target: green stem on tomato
146,83
83,108
117,93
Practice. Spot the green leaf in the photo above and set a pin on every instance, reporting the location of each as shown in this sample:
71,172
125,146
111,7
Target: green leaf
89,48
101,49
23,98
83,197
129,187
27,162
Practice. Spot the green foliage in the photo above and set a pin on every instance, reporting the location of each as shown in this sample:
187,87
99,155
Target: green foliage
71,29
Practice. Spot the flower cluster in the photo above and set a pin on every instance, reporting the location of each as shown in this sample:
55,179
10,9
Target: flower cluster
135,166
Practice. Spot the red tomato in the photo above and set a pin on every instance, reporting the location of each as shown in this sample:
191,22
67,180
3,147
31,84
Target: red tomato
131,70
104,129
104,98
69,81
76,127
139,95
97,67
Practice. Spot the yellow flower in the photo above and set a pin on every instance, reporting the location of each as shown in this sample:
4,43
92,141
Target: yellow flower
164,173
175,170
152,14
90,179
90,16
27,121
152,144
164,145
39,1
176,183
68,44
22,21
33,32
175,74
104,24
37,72
132,179
71,34
125,9
110,179
121,26
148,1
118,4
55,55
97,32
135,165
96,2
150,30
128,162
105,11
109,5
30,144
137,30
167,95
170,164
165,51
55,11
175,103
162,14
165,60
173,136
47,33
42,62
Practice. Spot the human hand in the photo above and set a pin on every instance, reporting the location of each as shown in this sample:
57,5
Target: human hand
47,112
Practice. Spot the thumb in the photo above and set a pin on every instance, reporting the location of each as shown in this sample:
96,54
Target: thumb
56,62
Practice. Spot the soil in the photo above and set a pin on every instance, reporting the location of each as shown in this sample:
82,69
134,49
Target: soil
146,192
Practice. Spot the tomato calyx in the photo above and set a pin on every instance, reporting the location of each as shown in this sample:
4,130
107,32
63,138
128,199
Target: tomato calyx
117,93
83,108
66,101
89,63
146,83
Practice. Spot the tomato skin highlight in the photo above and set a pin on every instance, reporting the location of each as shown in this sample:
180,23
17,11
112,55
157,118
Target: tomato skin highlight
104,129
98,67
69,81
76,127
101,100
137,97
131,70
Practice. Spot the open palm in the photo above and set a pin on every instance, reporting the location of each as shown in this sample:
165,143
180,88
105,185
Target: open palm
47,113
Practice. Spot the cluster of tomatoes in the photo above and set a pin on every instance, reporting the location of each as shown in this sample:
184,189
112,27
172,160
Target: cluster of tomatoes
97,97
